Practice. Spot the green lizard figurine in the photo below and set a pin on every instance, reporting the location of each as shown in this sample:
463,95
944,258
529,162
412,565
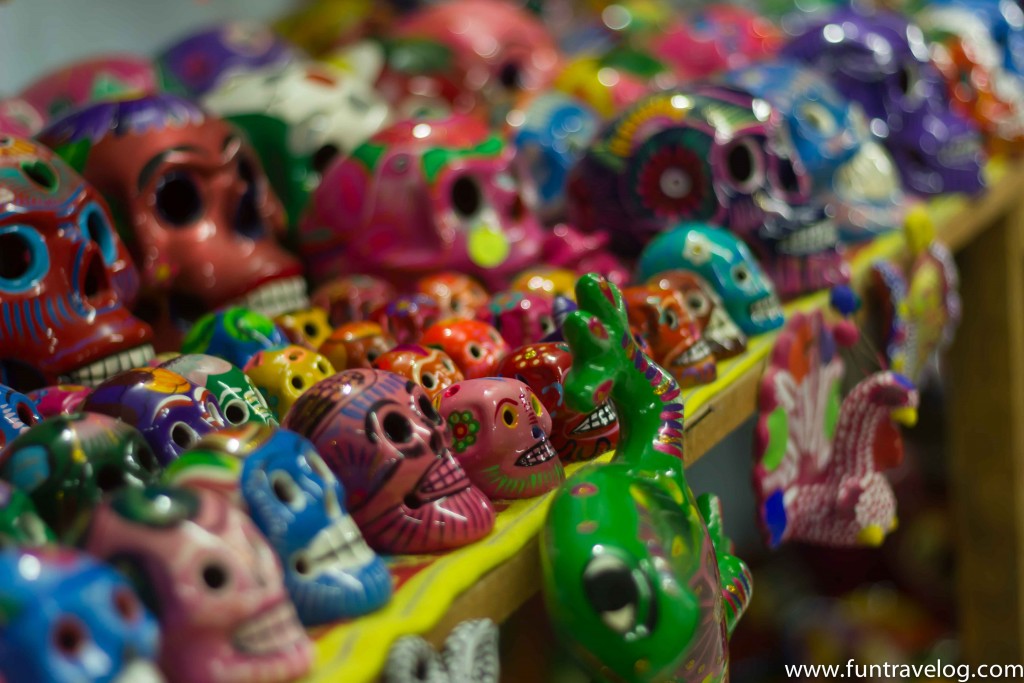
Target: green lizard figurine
639,578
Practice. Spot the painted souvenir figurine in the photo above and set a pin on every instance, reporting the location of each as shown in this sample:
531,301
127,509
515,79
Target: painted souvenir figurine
418,198
352,298
706,307
66,291
475,346
881,62
217,608
500,437
198,62
189,195
300,117
307,327
17,414
237,396
635,569
719,156
20,524
575,435
851,171
382,437
69,463
235,334
356,345
521,318
725,263
457,295
432,369
818,457
407,316
171,412
62,399
282,375
69,619
91,80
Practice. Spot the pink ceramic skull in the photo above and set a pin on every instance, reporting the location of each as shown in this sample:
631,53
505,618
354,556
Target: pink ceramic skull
63,399
20,119
521,318
500,436
212,580
418,198
98,78
382,437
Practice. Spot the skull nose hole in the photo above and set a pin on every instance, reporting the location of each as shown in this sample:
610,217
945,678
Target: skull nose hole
436,443
538,433
96,283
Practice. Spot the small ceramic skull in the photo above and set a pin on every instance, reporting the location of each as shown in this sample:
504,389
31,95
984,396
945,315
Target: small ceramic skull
356,345
238,398
282,375
475,346
307,327
213,582
406,317
456,294
432,369
521,318
234,334
382,437
719,331
352,298
500,437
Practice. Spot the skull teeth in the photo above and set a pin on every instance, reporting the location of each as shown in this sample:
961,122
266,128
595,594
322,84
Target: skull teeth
765,309
273,631
722,331
813,239
538,454
443,479
599,418
697,352
277,297
338,546
95,373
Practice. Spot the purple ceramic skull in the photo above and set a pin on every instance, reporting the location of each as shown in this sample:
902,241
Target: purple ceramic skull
881,61
171,412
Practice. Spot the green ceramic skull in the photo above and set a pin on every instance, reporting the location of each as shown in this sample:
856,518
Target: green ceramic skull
238,398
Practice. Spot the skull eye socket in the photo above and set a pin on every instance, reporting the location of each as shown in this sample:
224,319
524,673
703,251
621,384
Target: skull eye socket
24,258
215,576
670,319
475,351
511,76
697,303
183,436
178,200
509,416
787,176
236,412
448,365
69,636
819,118
284,487
547,325
535,403
428,381
744,166
96,227
40,174
109,478
126,604
311,330
466,197
397,428
323,157
742,276
298,383
427,408
26,414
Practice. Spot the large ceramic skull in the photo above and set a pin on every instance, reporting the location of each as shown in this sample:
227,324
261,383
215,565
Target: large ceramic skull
65,277
382,437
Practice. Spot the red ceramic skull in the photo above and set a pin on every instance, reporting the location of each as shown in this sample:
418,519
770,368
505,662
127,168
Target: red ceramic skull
382,437
432,369
702,301
576,436
190,193
500,437
475,346
352,298
674,336
65,277
407,316
356,345
206,572
458,295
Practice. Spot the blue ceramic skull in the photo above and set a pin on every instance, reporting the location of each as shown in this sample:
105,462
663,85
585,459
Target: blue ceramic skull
850,170
726,263
882,62
17,413
64,618
554,132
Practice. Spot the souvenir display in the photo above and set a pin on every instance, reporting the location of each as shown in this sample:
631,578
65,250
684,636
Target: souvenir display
237,396
475,346
20,524
352,298
705,306
66,279
191,200
521,318
635,568
17,414
880,61
307,327
457,295
356,345
282,375
500,437
67,618
576,435
819,457
234,334
171,412
406,317
382,437
224,614
725,263
62,399
432,369
103,77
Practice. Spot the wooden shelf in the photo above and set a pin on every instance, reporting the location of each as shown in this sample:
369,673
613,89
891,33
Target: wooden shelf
496,576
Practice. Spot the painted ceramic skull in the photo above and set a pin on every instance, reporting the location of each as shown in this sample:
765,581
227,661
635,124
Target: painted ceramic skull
299,505
706,307
307,327
171,412
720,156
19,119
521,318
725,263
672,334
191,198
382,437
20,524
352,298
62,399
210,578
300,117
69,463
282,375
458,295
421,197
235,334
237,396
67,619
65,277
500,437
91,80
475,346
17,413
356,345
407,316
881,61
576,436
851,171
198,62
432,369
